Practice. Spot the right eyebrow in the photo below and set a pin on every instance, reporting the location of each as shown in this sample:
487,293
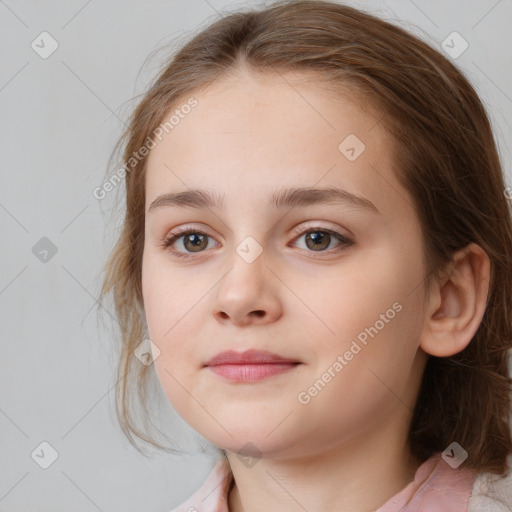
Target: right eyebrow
284,198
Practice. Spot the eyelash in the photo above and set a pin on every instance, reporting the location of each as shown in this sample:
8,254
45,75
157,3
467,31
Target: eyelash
181,232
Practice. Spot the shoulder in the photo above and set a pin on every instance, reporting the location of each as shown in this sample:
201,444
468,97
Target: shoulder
492,493
213,493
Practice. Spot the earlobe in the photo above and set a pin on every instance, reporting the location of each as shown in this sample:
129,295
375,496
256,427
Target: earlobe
457,304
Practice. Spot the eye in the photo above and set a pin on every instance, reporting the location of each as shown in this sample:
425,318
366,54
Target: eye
194,241
318,239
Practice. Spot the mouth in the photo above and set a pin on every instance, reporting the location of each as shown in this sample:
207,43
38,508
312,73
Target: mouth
250,366
251,372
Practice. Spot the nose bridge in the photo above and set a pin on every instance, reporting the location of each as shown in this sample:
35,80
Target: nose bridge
246,288
247,275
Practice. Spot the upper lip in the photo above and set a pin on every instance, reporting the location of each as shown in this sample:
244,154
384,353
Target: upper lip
247,357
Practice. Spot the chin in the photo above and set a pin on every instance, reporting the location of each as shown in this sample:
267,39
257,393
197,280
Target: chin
251,442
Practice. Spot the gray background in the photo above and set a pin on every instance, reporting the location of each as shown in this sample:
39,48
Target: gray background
60,118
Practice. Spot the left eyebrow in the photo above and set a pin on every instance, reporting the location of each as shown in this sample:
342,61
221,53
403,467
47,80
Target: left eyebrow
284,198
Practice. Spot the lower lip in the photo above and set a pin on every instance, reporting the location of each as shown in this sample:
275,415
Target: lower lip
251,372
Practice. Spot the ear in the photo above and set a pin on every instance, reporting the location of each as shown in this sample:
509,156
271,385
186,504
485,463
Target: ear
457,304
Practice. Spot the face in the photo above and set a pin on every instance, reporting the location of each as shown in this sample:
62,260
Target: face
327,282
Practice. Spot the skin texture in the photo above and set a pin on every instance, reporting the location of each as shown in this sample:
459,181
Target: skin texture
347,448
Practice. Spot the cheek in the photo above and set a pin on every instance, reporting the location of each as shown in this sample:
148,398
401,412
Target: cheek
373,377
175,304
166,308
373,313
353,297
170,299
177,338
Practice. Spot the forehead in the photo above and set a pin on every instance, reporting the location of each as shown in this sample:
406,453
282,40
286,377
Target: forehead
250,134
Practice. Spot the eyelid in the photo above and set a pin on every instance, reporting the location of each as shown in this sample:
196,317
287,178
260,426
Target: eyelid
301,229
296,231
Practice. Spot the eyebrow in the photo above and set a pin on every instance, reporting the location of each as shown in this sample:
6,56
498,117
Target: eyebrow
285,198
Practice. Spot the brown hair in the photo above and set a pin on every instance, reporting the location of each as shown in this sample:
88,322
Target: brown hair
445,157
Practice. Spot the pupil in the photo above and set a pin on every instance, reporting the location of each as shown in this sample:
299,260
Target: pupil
317,237
196,240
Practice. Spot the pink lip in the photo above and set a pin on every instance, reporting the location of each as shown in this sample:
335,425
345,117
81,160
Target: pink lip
249,366
251,372
247,357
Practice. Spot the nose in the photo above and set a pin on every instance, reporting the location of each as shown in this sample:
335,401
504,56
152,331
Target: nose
247,294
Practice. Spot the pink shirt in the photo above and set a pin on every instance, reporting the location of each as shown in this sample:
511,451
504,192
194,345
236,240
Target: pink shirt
436,487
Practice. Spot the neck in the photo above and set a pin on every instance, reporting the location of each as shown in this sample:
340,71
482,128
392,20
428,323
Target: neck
359,475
